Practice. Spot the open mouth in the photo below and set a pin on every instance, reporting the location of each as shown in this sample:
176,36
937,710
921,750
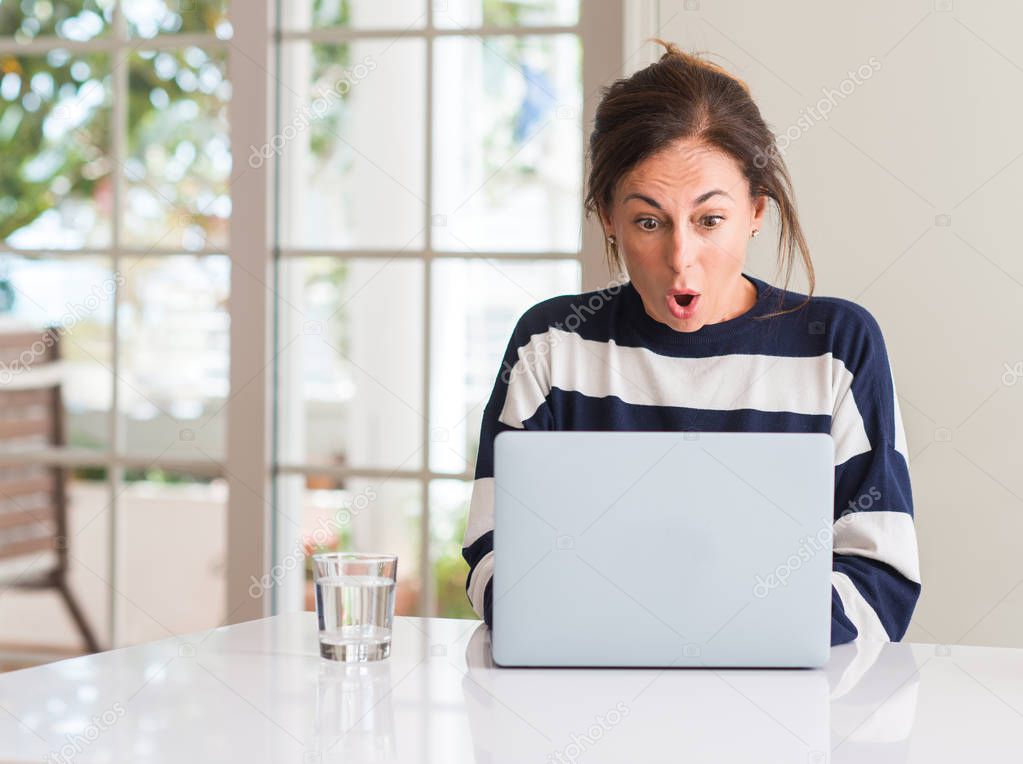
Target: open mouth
683,306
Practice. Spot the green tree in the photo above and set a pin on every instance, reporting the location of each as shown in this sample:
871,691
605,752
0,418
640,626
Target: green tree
55,108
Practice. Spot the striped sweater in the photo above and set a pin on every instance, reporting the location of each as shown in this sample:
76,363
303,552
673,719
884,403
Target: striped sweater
597,361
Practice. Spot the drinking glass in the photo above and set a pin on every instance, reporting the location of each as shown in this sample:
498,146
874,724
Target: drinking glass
355,604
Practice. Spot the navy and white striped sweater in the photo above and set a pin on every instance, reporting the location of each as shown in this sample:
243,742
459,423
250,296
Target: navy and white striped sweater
597,361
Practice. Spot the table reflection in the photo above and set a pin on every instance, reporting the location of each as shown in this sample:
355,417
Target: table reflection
862,705
354,717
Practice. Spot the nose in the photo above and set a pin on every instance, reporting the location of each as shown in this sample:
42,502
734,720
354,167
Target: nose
681,253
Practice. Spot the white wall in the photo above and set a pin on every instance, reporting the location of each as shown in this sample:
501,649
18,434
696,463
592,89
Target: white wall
932,132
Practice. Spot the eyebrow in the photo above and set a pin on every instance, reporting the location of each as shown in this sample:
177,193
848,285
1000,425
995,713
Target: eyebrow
696,202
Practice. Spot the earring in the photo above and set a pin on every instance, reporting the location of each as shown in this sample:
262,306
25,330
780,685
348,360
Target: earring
755,232
611,240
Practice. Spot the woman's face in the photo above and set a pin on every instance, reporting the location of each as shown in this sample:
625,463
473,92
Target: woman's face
682,220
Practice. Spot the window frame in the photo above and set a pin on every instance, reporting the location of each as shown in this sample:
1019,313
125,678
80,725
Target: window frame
598,29
254,536
116,459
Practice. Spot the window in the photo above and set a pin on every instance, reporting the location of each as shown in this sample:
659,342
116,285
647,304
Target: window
115,155
431,171
280,245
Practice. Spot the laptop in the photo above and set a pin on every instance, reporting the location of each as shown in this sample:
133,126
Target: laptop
662,549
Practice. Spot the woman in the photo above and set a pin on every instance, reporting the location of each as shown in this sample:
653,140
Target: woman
681,168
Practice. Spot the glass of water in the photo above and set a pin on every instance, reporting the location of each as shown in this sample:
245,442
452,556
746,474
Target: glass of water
355,604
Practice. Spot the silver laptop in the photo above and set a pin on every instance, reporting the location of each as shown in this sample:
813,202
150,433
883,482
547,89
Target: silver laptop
662,549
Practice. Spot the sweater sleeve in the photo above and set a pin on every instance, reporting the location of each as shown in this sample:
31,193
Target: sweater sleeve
875,568
518,401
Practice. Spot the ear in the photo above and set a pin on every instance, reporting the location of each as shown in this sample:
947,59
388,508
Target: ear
759,210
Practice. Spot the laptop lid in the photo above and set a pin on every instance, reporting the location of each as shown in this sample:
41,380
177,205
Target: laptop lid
662,548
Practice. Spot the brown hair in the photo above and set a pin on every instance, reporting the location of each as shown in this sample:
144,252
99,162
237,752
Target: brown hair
684,96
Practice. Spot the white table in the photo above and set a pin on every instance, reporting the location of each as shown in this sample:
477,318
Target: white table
259,692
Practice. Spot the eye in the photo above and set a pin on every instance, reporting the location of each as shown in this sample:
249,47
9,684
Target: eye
648,224
712,217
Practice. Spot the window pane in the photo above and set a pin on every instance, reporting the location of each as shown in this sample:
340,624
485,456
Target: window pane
508,144
449,507
350,368
165,519
174,336
475,306
74,296
68,19
54,143
358,14
179,155
452,14
360,515
351,149
150,18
